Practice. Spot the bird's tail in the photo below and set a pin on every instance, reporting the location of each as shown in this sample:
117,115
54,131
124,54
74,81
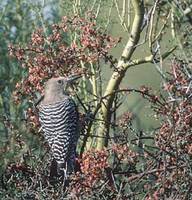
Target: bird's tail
58,174
53,169
61,171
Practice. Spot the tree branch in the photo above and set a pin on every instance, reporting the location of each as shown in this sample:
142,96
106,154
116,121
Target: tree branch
118,74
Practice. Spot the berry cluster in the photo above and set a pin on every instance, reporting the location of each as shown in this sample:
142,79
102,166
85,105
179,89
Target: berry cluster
174,137
61,51
93,164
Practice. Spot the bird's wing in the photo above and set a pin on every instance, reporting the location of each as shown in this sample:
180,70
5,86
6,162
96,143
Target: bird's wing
60,125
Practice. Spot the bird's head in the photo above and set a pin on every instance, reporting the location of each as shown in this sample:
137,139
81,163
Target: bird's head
57,88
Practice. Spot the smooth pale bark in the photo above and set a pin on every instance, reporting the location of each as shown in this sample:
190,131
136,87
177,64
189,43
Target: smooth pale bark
119,73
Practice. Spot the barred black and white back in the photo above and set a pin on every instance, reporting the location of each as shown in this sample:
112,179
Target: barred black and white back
60,124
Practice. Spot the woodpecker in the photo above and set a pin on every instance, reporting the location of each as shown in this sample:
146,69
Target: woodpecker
59,119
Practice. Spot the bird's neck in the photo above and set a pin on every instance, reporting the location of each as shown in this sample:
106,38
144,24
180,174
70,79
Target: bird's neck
53,97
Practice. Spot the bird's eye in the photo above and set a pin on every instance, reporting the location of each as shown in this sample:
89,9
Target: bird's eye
60,82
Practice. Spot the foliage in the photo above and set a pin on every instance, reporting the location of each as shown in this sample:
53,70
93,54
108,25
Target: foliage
61,52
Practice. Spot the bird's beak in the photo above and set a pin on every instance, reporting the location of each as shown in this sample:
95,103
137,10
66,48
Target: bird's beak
73,78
